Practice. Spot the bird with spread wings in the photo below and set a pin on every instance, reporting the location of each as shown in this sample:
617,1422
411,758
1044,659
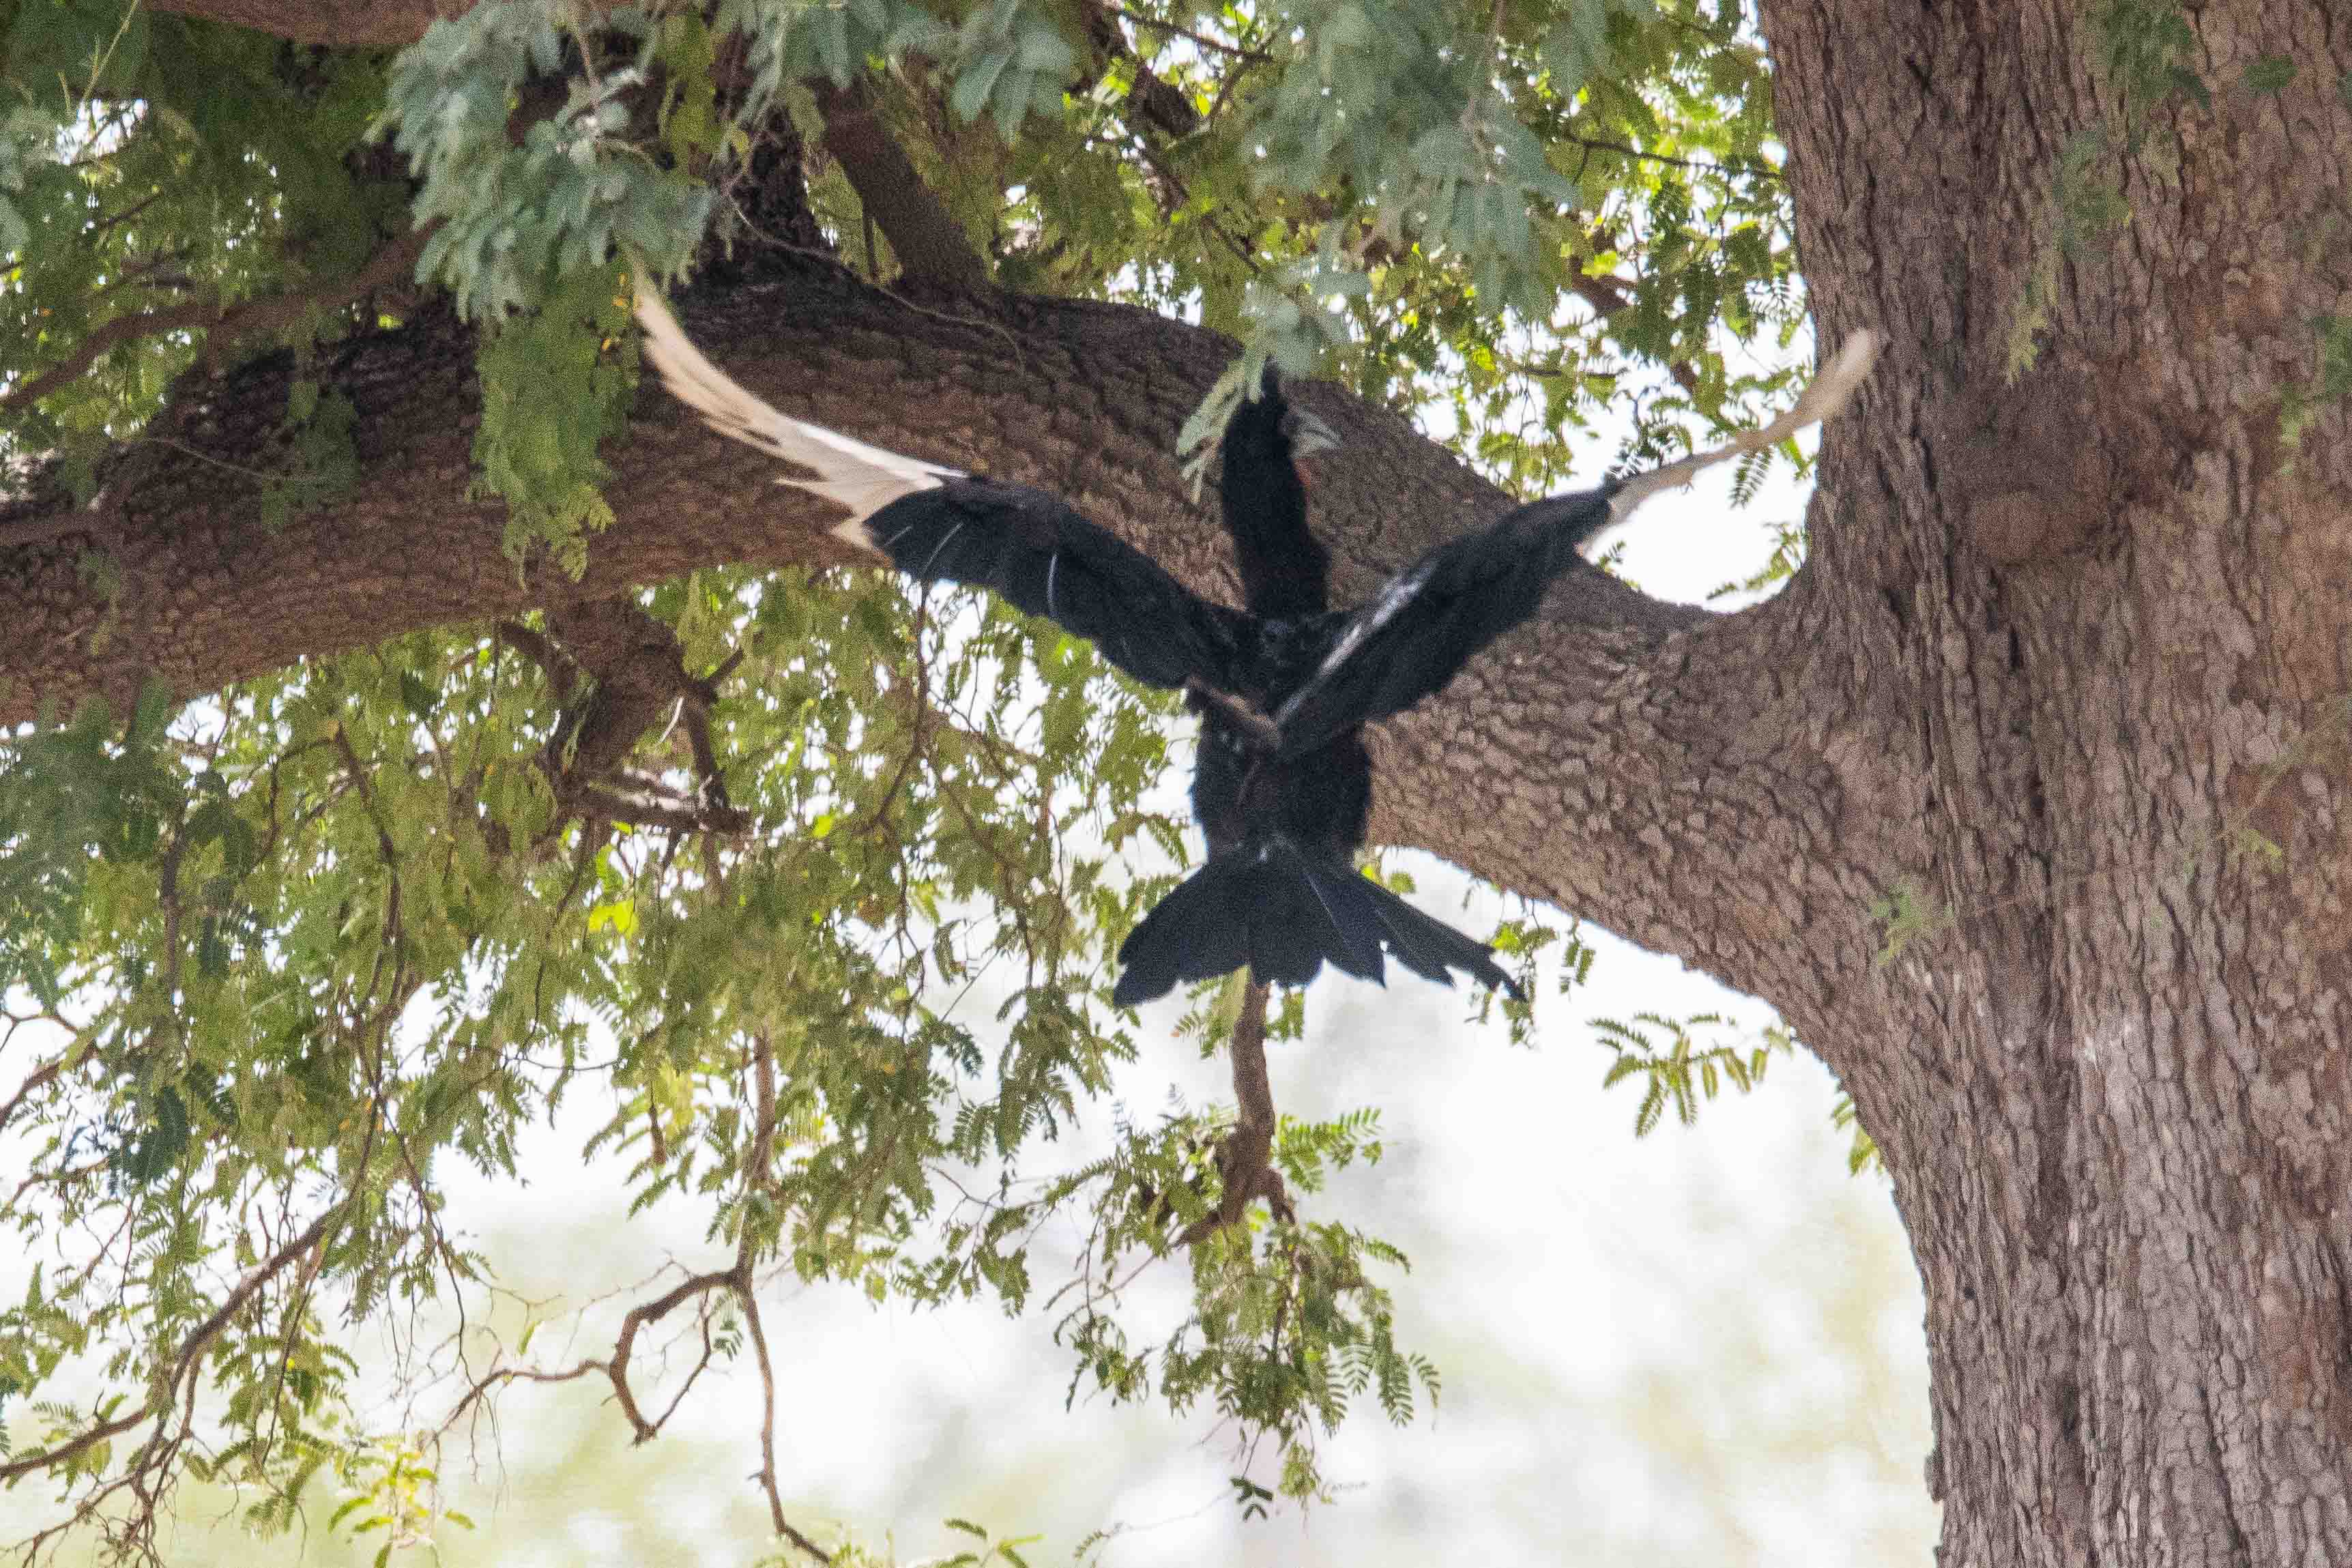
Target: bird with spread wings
1284,686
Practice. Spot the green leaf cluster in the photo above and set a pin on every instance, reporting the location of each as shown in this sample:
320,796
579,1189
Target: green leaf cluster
2329,386
1678,1069
293,949
516,214
156,169
279,960
1288,1332
556,381
1682,1072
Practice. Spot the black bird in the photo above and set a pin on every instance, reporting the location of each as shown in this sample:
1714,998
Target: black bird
1283,785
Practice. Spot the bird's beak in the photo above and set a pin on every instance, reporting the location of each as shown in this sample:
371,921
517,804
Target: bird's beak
1307,434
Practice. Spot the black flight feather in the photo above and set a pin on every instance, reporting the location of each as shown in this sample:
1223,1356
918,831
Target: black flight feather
1284,801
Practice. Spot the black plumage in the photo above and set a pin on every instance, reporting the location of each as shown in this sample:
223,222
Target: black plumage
1280,890
1282,788
1031,550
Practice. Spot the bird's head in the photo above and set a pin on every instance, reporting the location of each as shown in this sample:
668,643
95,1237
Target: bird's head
1301,431
1306,434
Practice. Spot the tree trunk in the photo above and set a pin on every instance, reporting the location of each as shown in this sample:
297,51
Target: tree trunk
2067,681
2110,1073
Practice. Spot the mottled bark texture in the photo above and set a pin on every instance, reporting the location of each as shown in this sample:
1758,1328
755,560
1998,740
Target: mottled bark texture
2102,622
2071,665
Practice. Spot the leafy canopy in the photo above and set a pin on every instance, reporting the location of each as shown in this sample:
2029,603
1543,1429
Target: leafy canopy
275,958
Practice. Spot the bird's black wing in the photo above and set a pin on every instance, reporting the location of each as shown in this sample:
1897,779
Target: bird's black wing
1034,552
1425,623
934,523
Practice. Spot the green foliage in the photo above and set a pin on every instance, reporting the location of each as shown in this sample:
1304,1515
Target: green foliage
2268,76
1685,1071
280,958
1787,554
1288,1329
990,1548
2148,51
1422,201
1862,1150
1404,195
1907,912
1010,61
311,933
160,167
2087,207
517,216
25,136
1682,1073
556,381
2328,388
77,798
323,455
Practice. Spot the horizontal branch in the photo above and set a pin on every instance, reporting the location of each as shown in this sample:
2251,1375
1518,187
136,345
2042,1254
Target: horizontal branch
335,24
1618,757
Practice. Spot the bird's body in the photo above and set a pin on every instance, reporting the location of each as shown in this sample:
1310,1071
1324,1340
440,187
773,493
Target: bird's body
1283,787
1321,801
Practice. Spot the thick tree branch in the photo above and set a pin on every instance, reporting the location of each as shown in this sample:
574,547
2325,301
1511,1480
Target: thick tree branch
1158,104
1614,748
337,24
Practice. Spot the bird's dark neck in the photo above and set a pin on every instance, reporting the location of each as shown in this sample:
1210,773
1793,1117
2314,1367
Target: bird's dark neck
1285,569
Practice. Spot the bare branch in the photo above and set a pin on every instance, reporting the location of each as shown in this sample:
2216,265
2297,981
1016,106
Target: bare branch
783,1526
1243,1160
642,1316
931,245
198,1340
225,327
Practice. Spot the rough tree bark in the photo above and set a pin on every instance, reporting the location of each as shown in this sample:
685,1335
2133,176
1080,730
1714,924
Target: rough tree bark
2108,614
2072,663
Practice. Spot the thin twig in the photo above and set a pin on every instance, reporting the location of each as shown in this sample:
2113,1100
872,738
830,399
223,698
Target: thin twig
1755,166
38,1079
1237,51
198,1340
224,326
768,1427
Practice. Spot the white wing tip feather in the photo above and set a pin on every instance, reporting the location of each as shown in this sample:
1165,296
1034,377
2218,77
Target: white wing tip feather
1834,387
1829,394
849,472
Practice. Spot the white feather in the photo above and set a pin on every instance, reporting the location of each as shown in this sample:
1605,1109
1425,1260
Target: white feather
1394,595
849,472
1828,393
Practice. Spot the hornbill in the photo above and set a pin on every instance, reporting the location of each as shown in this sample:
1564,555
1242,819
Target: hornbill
1284,686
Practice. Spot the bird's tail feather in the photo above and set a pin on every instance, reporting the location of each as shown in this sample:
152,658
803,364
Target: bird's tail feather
1427,945
1285,916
